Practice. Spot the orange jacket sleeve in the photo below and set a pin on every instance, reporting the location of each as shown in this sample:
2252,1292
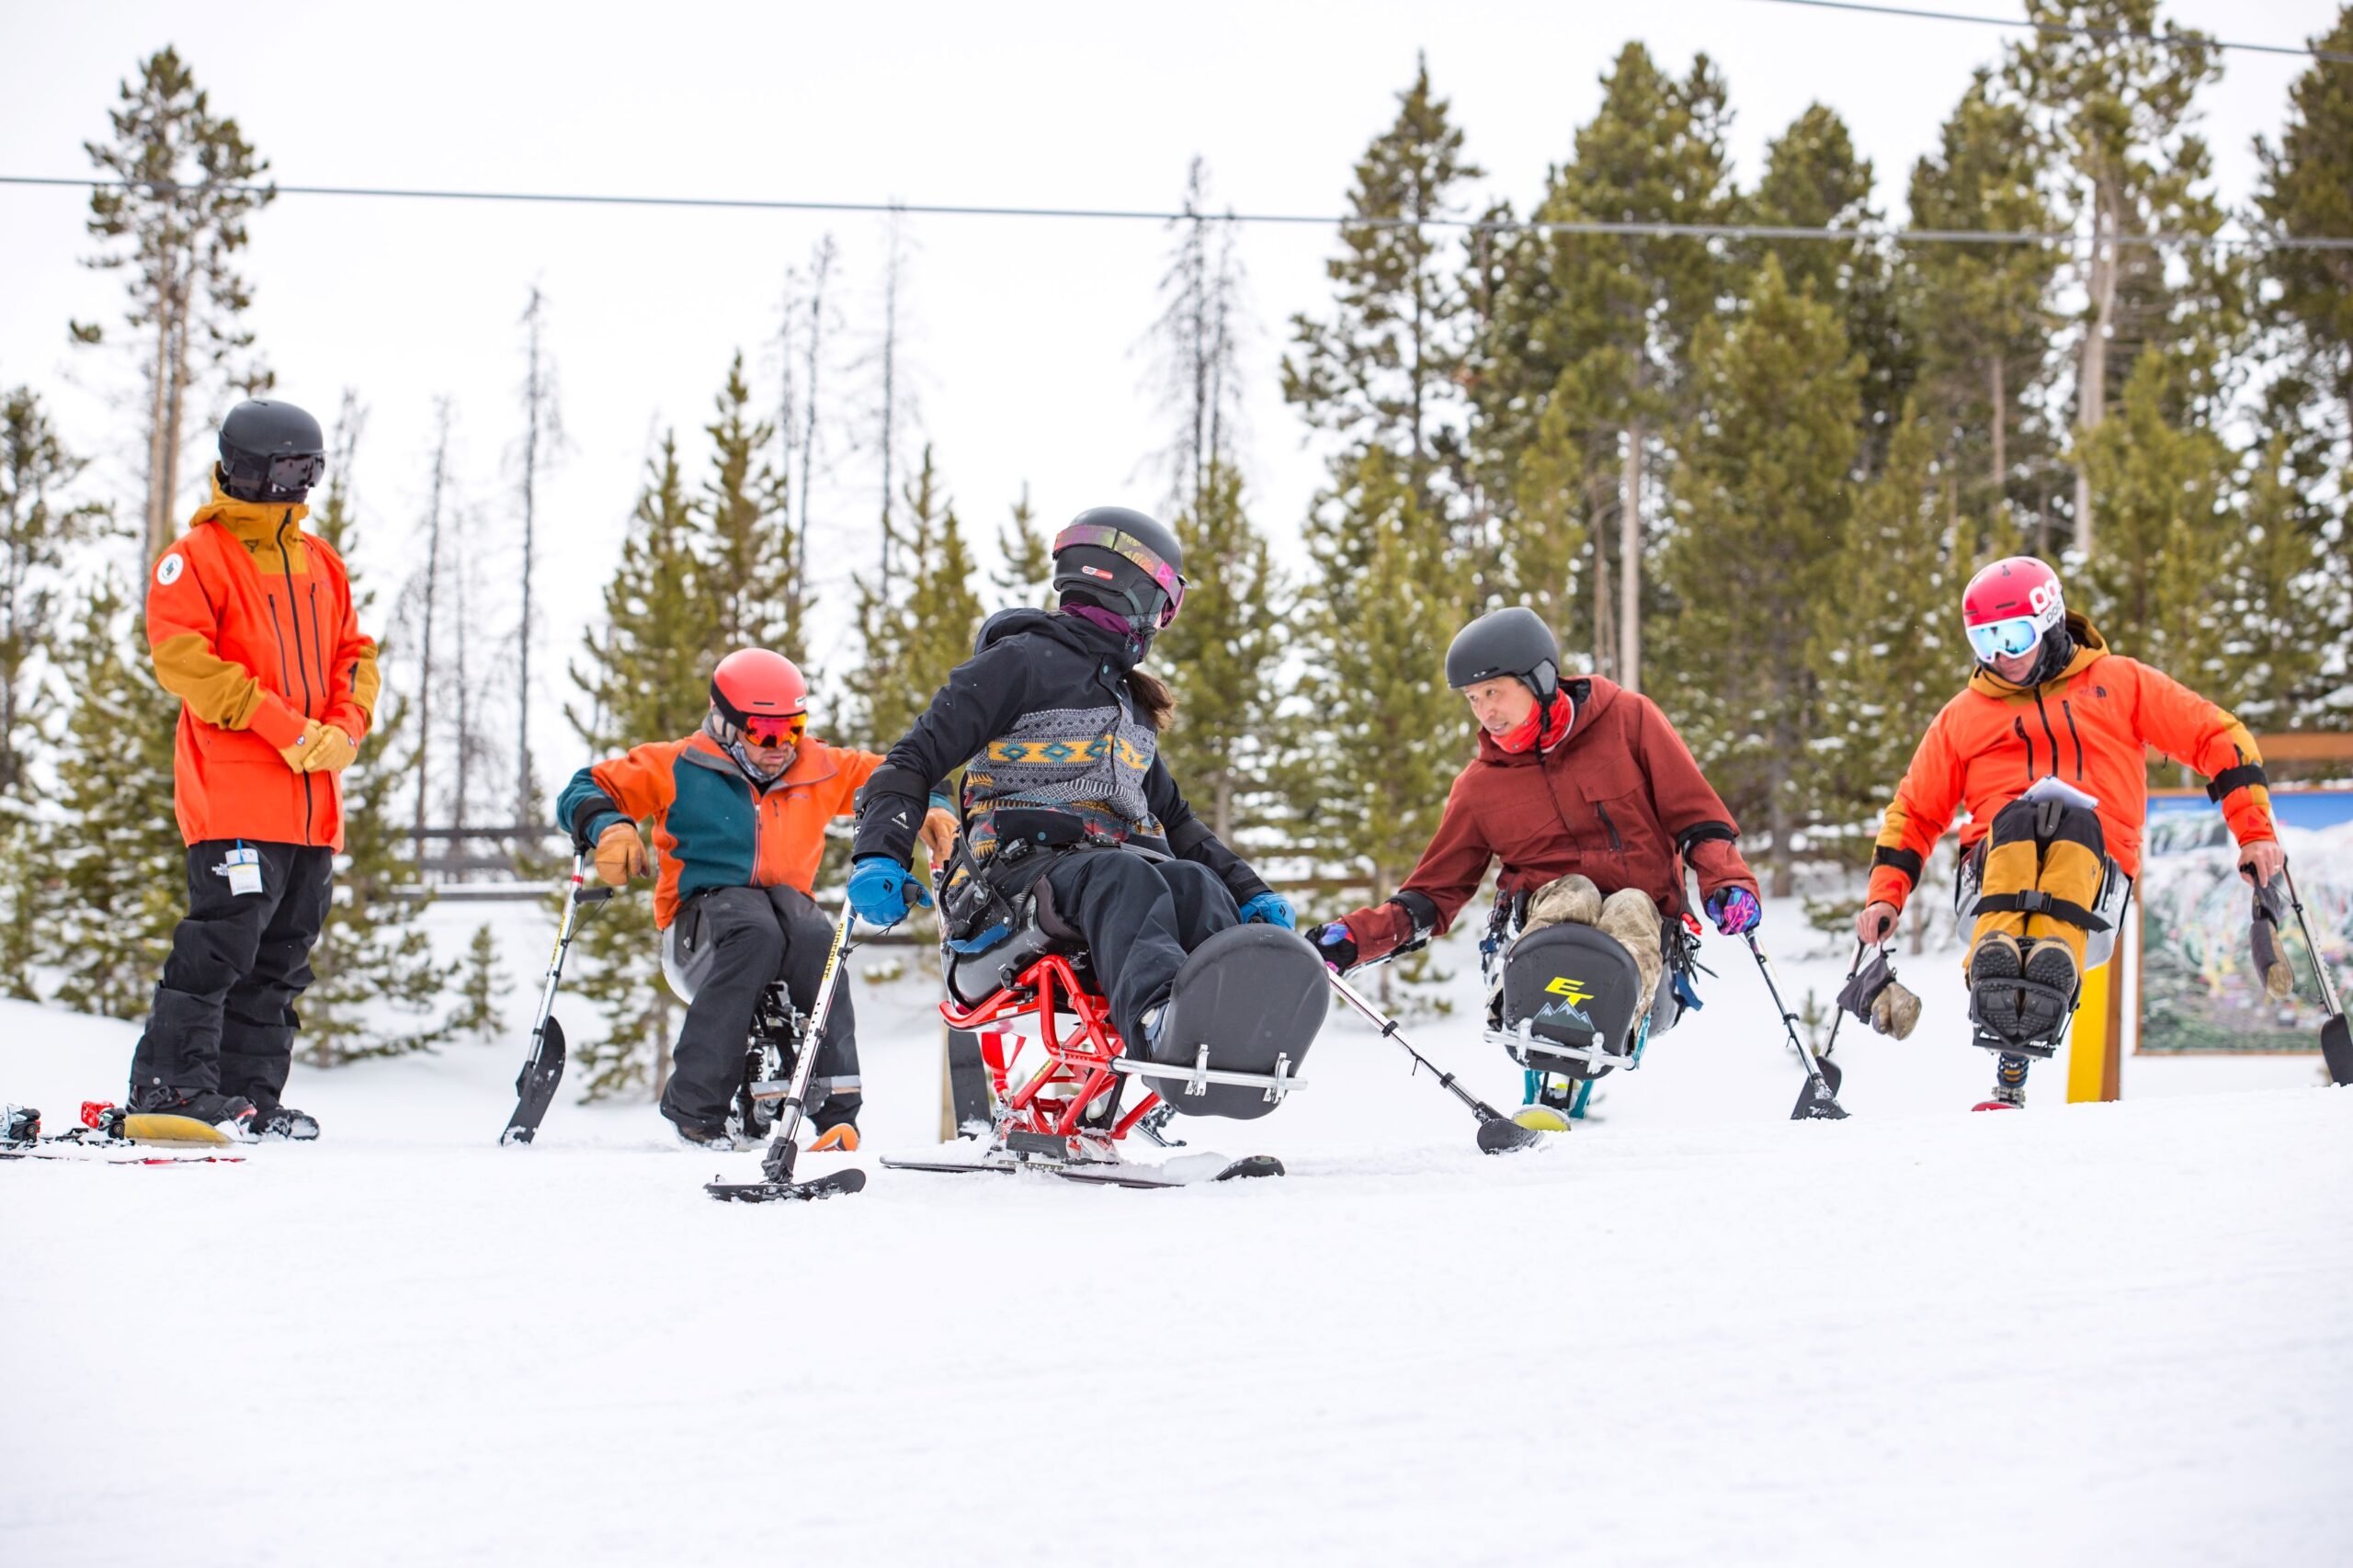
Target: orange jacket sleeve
352,676
182,635
854,769
2199,734
641,781
1924,802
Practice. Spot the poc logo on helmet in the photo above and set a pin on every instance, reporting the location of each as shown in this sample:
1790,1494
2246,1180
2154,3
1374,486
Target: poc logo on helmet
2040,597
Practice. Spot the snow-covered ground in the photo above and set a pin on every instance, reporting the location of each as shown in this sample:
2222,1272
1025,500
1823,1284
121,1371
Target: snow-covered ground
1693,1331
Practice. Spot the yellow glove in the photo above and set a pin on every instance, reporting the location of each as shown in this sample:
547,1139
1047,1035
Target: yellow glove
620,854
332,752
300,749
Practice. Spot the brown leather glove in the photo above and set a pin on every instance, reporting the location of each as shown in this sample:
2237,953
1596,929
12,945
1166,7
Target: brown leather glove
332,752
301,749
620,854
938,836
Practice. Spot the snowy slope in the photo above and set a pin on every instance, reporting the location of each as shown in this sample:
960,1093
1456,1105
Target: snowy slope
1696,1331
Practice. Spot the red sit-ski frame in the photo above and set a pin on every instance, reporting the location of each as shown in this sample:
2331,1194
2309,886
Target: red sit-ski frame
1079,1062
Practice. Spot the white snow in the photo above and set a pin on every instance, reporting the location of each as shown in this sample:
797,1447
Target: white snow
1693,1331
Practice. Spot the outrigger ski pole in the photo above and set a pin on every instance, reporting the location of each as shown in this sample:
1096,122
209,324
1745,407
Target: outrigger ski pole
2335,1037
776,1165
1818,1101
535,1085
1498,1134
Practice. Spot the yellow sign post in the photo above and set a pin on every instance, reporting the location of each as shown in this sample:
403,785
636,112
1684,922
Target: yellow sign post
2095,1043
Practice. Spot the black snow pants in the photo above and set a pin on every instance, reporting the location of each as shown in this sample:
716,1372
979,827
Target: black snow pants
1140,918
224,1020
733,943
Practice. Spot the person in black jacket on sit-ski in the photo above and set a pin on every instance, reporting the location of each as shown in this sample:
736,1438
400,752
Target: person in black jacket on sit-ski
1066,795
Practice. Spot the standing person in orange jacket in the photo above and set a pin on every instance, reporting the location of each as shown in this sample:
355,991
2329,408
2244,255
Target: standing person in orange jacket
251,625
739,811
2050,719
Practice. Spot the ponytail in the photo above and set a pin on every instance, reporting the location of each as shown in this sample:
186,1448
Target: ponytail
1151,697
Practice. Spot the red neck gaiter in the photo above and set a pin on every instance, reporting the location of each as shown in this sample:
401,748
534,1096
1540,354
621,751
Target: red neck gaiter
1543,727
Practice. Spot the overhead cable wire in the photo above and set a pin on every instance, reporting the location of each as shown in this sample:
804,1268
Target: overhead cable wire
2171,40
1633,227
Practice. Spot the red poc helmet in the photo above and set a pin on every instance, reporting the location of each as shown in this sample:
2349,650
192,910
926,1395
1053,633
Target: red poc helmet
2009,606
761,697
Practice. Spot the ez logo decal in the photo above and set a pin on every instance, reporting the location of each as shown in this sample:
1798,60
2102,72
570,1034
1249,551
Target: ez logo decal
1572,989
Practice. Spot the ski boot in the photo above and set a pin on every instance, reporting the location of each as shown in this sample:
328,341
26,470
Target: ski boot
2023,992
158,1114
716,1137
282,1124
2009,1085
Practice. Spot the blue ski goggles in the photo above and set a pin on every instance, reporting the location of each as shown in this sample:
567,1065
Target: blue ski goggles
2005,639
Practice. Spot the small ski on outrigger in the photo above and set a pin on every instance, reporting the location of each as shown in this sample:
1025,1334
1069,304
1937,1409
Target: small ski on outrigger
776,1164
111,1136
535,1085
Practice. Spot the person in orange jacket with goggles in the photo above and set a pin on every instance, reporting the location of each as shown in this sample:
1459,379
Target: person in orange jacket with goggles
250,622
739,811
2046,750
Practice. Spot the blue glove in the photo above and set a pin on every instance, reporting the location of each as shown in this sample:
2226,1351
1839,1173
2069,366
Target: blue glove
1734,910
1336,945
1270,909
882,890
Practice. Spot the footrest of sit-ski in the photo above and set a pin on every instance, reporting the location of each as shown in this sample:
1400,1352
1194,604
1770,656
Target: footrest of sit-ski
1544,1053
1175,1083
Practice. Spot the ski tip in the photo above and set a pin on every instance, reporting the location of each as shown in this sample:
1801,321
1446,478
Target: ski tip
1996,1105
144,1128
1250,1165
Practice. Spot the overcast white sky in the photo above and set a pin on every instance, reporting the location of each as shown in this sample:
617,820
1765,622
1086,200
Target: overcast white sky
1023,333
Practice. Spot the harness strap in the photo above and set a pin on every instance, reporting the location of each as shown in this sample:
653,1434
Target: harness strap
2035,902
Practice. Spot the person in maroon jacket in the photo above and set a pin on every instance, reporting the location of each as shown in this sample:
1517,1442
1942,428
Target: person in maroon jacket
1585,794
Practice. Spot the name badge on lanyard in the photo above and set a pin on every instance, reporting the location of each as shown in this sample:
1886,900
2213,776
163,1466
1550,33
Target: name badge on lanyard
241,866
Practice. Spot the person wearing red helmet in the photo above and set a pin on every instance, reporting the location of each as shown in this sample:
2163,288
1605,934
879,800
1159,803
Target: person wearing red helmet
739,811
2045,750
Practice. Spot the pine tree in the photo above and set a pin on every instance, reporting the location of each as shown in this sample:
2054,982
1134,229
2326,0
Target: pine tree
1604,323
1763,500
2307,191
1815,179
118,863
1026,576
748,573
1893,651
2116,104
1220,656
482,982
913,641
647,679
1983,313
1386,737
1385,369
39,528
181,187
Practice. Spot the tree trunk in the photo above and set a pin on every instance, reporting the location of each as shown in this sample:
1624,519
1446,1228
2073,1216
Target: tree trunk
1604,629
425,644
1629,566
159,499
530,485
1777,811
2001,422
2091,393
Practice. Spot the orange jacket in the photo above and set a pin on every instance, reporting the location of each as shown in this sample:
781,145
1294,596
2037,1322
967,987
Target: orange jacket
250,622
2091,726
711,827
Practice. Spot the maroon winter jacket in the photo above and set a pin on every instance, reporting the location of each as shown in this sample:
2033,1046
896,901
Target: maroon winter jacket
1618,798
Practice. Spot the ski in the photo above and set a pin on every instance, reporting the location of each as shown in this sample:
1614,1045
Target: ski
107,1136
1248,1167
949,1167
838,1183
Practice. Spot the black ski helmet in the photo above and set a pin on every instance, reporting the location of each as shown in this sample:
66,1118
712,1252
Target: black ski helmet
271,451
1513,642
1128,563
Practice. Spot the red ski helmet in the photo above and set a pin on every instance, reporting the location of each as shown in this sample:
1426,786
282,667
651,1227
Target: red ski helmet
2010,606
759,697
